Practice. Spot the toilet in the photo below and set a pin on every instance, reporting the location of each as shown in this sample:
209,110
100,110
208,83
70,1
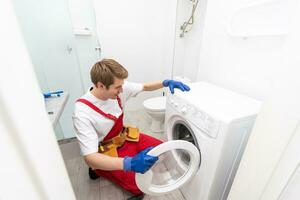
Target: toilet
156,107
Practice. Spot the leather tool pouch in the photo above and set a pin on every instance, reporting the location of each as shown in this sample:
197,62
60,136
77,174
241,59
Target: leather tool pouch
133,134
109,147
109,150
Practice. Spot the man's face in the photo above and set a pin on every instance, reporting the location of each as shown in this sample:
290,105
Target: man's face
115,89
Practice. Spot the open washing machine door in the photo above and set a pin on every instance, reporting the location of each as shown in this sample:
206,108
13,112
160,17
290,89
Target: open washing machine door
178,163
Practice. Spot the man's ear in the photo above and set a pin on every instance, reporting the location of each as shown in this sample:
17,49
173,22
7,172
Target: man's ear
100,85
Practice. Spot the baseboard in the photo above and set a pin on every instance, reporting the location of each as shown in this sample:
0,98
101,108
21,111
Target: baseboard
68,140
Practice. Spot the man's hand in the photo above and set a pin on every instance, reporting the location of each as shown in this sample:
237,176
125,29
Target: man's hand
139,163
175,84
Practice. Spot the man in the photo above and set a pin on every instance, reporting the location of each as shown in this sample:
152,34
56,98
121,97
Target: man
98,116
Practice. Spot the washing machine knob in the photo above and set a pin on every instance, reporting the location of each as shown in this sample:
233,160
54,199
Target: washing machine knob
175,105
183,110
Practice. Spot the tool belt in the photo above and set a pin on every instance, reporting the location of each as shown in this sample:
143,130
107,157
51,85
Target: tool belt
109,147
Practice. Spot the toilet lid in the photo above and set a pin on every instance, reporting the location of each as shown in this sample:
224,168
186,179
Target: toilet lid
156,103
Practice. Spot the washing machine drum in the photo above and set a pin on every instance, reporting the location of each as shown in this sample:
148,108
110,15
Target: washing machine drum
181,131
178,162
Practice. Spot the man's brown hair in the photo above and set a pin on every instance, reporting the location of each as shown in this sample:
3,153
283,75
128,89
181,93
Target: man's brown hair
105,70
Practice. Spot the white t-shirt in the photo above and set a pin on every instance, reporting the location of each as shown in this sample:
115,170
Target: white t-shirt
91,127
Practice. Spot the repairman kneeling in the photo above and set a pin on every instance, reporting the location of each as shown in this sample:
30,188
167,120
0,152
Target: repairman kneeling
111,149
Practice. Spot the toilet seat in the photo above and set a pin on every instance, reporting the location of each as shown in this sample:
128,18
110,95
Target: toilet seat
156,104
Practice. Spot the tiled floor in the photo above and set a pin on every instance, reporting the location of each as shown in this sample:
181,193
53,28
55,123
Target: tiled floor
102,189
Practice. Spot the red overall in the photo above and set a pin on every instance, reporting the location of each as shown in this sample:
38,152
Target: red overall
125,179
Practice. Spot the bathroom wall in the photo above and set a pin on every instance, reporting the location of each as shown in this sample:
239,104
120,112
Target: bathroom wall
235,44
140,35
187,48
242,44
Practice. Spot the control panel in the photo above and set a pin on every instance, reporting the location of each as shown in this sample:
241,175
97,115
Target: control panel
196,116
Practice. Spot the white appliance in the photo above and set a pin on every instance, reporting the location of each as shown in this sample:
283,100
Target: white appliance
216,122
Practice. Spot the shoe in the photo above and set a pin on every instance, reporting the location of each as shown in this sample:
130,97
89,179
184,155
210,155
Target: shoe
93,174
136,197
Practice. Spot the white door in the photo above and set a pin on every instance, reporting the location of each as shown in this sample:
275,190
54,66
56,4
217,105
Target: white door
31,163
178,163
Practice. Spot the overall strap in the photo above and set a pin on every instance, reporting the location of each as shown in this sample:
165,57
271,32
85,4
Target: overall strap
95,108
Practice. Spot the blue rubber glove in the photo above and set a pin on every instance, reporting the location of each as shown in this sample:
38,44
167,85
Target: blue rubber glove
175,84
139,163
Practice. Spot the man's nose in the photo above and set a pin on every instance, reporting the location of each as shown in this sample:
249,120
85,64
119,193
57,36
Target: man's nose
121,89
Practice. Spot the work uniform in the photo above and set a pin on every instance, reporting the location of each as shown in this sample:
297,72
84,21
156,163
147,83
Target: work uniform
96,120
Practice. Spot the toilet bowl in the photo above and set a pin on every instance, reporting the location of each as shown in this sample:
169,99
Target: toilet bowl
156,107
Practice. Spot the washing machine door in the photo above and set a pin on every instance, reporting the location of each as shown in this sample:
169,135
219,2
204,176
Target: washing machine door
177,164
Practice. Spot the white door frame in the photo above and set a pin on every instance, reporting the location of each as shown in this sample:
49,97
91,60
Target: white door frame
31,163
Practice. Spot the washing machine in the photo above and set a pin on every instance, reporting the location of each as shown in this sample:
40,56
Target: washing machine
207,130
